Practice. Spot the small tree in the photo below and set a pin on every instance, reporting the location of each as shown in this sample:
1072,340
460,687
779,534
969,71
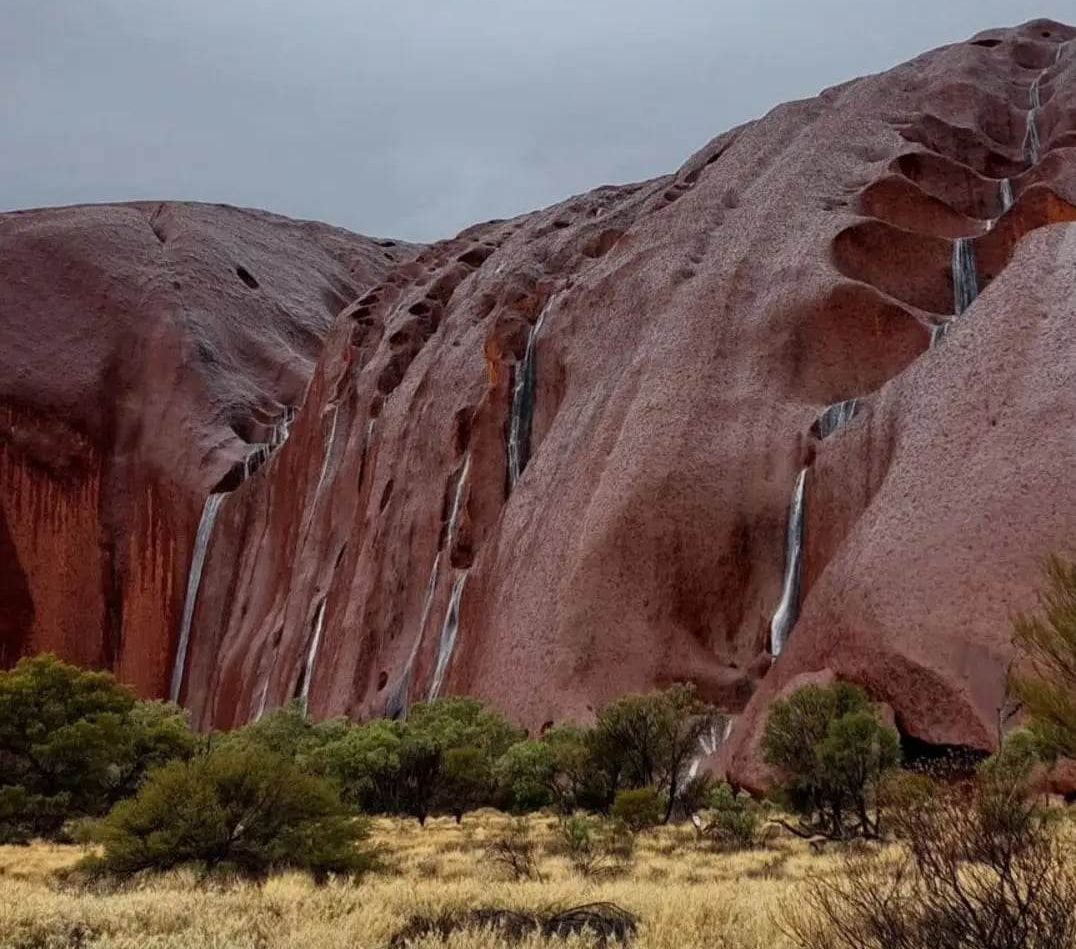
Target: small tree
650,740
245,810
833,753
526,775
1048,639
365,763
466,782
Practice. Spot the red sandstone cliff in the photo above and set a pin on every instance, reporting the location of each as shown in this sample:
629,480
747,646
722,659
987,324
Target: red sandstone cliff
654,360
145,348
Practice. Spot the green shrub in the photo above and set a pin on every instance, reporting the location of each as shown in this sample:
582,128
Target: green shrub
244,810
833,754
1047,686
73,742
526,774
733,821
639,809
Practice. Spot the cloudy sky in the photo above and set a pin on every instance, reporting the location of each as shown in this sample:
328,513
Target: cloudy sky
415,118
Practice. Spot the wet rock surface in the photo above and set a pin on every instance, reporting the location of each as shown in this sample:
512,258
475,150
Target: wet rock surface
617,520
147,350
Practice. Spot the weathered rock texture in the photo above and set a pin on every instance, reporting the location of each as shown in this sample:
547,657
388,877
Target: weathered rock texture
693,329
145,348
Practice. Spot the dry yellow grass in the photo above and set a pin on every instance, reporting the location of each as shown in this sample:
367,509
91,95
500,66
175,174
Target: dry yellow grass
686,896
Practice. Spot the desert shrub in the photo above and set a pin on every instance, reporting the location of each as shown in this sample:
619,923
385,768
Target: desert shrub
595,847
245,810
466,781
72,742
1047,688
732,821
833,754
639,809
515,851
966,878
601,925
441,759
526,775
649,741
286,732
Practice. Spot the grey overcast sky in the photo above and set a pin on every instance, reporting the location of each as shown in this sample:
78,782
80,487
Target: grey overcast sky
415,118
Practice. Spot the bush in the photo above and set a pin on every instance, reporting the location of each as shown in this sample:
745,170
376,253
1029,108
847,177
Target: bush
982,868
73,742
245,810
442,758
833,754
595,847
1048,640
526,776
515,852
733,822
639,809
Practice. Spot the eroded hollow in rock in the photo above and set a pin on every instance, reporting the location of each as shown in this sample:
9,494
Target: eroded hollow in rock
246,276
913,268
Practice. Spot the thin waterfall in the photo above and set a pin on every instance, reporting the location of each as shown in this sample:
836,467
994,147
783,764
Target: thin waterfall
312,655
328,455
965,275
1031,139
263,697
965,285
457,501
788,609
837,415
398,701
262,451
194,579
523,396
938,332
308,519
427,605
711,741
449,630
1006,194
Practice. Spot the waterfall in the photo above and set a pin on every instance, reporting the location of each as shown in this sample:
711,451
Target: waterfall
522,410
938,332
312,655
263,696
263,450
1031,139
1006,194
457,500
965,275
448,634
397,704
838,414
788,609
711,741
194,579
328,455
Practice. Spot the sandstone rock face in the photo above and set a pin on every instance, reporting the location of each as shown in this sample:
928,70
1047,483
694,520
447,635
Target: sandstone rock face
552,459
147,349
